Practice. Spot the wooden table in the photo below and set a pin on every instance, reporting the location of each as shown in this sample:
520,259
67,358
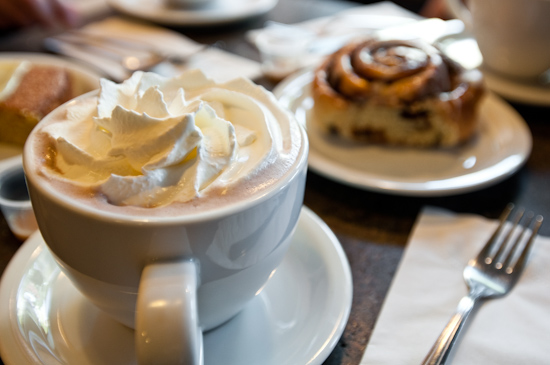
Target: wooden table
373,228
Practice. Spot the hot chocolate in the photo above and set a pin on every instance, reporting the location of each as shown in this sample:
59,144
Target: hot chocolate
153,146
179,192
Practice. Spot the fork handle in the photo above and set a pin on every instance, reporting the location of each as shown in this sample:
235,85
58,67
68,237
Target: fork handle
440,351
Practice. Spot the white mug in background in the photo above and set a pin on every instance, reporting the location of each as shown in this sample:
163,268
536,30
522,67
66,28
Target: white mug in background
513,35
193,272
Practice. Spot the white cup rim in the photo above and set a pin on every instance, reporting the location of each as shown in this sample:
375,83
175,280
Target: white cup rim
209,214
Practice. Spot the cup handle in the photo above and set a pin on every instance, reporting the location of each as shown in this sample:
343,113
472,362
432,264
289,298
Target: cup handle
167,323
460,11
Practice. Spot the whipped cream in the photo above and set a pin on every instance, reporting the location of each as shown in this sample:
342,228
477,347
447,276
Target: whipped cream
151,141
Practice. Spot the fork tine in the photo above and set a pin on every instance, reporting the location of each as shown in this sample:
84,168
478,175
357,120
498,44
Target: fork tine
505,242
485,252
507,261
520,263
498,256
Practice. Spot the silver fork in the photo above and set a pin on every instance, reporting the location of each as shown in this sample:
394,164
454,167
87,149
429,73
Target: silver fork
491,274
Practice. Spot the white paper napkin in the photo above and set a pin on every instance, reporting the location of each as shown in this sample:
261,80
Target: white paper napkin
355,21
282,46
428,286
286,48
216,63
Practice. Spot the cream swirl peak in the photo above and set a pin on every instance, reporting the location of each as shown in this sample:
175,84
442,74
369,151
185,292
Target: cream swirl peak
151,141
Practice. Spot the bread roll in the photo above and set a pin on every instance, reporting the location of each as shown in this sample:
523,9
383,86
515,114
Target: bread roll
31,92
398,93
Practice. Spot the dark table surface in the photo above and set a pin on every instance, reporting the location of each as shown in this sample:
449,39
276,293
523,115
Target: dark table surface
373,228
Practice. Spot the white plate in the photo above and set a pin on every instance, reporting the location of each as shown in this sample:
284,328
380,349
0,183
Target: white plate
84,80
297,319
500,149
463,48
216,13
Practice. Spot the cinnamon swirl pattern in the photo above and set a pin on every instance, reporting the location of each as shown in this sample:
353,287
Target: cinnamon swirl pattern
396,92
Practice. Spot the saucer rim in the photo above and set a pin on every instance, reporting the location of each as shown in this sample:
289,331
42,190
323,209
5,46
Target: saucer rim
13,351
193,17
516,91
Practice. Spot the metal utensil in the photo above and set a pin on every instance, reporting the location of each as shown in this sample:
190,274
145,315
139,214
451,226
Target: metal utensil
131,54
492,274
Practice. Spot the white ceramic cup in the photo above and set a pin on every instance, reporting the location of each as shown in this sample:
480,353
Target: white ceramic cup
513,35
187,273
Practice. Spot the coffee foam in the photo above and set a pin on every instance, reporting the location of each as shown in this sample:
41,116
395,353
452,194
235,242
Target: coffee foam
226,189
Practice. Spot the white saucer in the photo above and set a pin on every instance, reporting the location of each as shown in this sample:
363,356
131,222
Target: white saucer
500,148
216,13
463,48
512,90
297,319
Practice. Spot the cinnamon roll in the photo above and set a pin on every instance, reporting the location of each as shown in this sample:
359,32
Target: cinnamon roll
396,92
